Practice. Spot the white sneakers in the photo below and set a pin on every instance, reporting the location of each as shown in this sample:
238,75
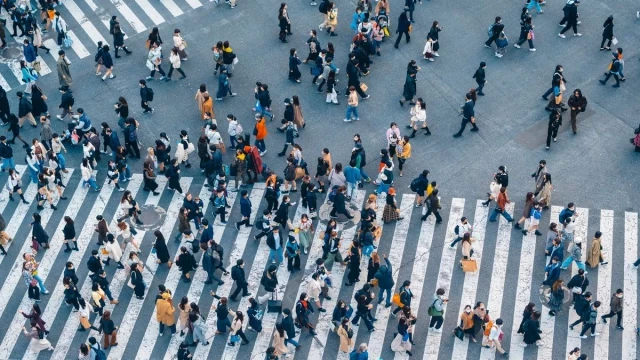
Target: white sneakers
499,55
532,49
562,36
516,46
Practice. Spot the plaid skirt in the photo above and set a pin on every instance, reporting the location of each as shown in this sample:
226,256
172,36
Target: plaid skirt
390,213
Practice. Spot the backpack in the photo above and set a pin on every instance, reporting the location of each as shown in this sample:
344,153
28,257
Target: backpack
133,134
323,7
457,230
490,30
100,355
239,129
332,194
149,94
593,316
415,184
195,246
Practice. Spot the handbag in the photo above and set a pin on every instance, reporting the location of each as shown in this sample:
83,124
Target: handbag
36,66
235,60
614,41
364,87
530,35
563,88
67,41
396,300
147,44
459,333
35,245
558,99
235,338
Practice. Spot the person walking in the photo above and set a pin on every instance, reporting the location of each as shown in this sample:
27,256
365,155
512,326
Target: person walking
495,332
154,61
607,33
436,310
501,204
594,254
557,82
526,31
64,74
532,331
479,75
555,121
294,62
614,69
60,26
146,96
404,27
175,61
616,305
589,319
432,206
385,281
352,107
107,62
118,41
409,90
284,23
468,116
556,297
581,305
238,275
494,32
571,16
165,314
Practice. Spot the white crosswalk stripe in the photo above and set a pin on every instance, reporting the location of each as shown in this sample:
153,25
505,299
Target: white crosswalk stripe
139,333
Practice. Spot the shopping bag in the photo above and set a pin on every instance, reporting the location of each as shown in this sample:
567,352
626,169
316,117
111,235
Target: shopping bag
363,87
67,42
396,299
469,265
459,333
614,41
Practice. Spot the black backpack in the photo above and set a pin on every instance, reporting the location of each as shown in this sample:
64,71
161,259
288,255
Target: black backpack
149,94
195,246
415,184
323,7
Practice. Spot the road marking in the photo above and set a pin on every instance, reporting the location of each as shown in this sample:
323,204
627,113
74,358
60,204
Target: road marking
14,65
629,340
380,202
432,346
4,194
128,15
4,83
77,46
470,286
323,324
57,296
172,7
601,347
498,274
194,3
18,217
105,19
547,322
150,11
84,237
398,243
44,268
51,44
573,336
84,22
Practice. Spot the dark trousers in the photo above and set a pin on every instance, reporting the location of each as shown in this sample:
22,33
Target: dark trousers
492,39
552,132
570,24
272,204
577,322
19,26
586,327
602,43
334,212
260,145
355,84
177,69
324,81
547,93
34,292
159,69
637,263
293,262
242,335
261,234
365,318
145,106
171,327
436,321
615,76
465,121
480,87
219,211
73,302
244,221
612,314
133,149
61,35
406,34
523,39
239,288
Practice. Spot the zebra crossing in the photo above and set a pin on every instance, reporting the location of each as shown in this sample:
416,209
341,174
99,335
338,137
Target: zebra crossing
507,279
83,18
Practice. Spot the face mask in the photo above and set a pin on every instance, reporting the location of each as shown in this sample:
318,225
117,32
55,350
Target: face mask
468,311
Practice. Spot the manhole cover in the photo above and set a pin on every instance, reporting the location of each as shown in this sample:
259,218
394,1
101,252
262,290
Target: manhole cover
545,294
12,53
152,218
325,210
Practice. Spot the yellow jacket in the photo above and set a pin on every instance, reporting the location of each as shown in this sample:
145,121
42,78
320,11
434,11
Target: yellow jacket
165,311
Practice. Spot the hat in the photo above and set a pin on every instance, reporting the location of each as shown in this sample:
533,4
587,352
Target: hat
577,240
287,101
165,296
258,116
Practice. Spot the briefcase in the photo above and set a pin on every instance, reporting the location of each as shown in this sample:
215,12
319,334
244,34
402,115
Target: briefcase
274,305
469,265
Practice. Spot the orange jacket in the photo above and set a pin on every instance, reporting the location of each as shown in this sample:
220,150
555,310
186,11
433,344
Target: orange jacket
261,128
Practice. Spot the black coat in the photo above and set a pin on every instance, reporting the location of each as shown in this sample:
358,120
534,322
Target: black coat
580,281
479,76
339,203
69,232
282,214
237,274
287,324
94,264
403,23
271,241
162,252
288,113
71,274
39,234
607,33
24,107
67,100
4,102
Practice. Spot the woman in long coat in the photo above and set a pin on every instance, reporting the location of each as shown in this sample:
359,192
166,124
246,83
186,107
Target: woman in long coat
409,92
594,255
526,315
200,96
556,298
161,249
544,196
38,101
64,74
294,61
278,340
532,330
137,281
346,344
298,119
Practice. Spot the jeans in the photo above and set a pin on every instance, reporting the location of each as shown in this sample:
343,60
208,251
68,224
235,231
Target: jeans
480,87
291,341
495,212
567,261
277,254
535,3
8,163
260,109
382,188
455,241
172,327
124,174
211,275
367,250
34,175
352,110
159,69
91,183
364,317
233,141
363,174
436,321
523,39
61,161
615,76
351,187
107,292
40,283
260,145
381,292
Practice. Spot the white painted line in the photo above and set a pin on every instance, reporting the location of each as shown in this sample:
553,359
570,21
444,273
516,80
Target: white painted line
20,215
44,68
4,192
84,238
547,322
263,339
194,3
172,7
582,222
420,263
173,279
77,46
376,339
44,269
601,347
15,69
129,16
135,305
150,11
105,19
470,286
323,324
498,274
84,22
630,323
197,285
9,26
4,84
363,268
432,346
51,44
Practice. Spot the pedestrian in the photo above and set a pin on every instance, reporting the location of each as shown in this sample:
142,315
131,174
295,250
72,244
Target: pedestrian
614,69
292,253
526,31
501,204
64,74
479,75
571,16
165,314
294,61
38,338
180,44
409,92
38,99
345,333
582,304
107,62
575,255
284,23
175,61
154,61
332,19
532,331
495,330
352,107
161,251
59,25
385,281
621,59
146,96
594,254
578,104
118,41
616,305
575,355
303,310
404,27
436,310
109,330
494,32
607,33
186,262
589,319
432,206
468,116
556,297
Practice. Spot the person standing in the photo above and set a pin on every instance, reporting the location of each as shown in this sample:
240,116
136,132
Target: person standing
352,107
555,121
64,74
404,27
60,26
385,281
294,62
479,75
284,23
556,297
571,15
578,104
436,310
468,116
616,309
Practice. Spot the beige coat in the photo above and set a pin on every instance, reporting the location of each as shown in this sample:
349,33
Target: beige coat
594,254
346,344
200,99
314,289
298,119
278,343
184,316
545,194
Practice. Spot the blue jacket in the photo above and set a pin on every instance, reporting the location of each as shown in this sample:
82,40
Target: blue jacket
385,276
245,207
207,234
356,20
352,175
29,53
114,141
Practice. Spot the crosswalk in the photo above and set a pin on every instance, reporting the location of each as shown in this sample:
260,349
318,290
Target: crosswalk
83,18
508,278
